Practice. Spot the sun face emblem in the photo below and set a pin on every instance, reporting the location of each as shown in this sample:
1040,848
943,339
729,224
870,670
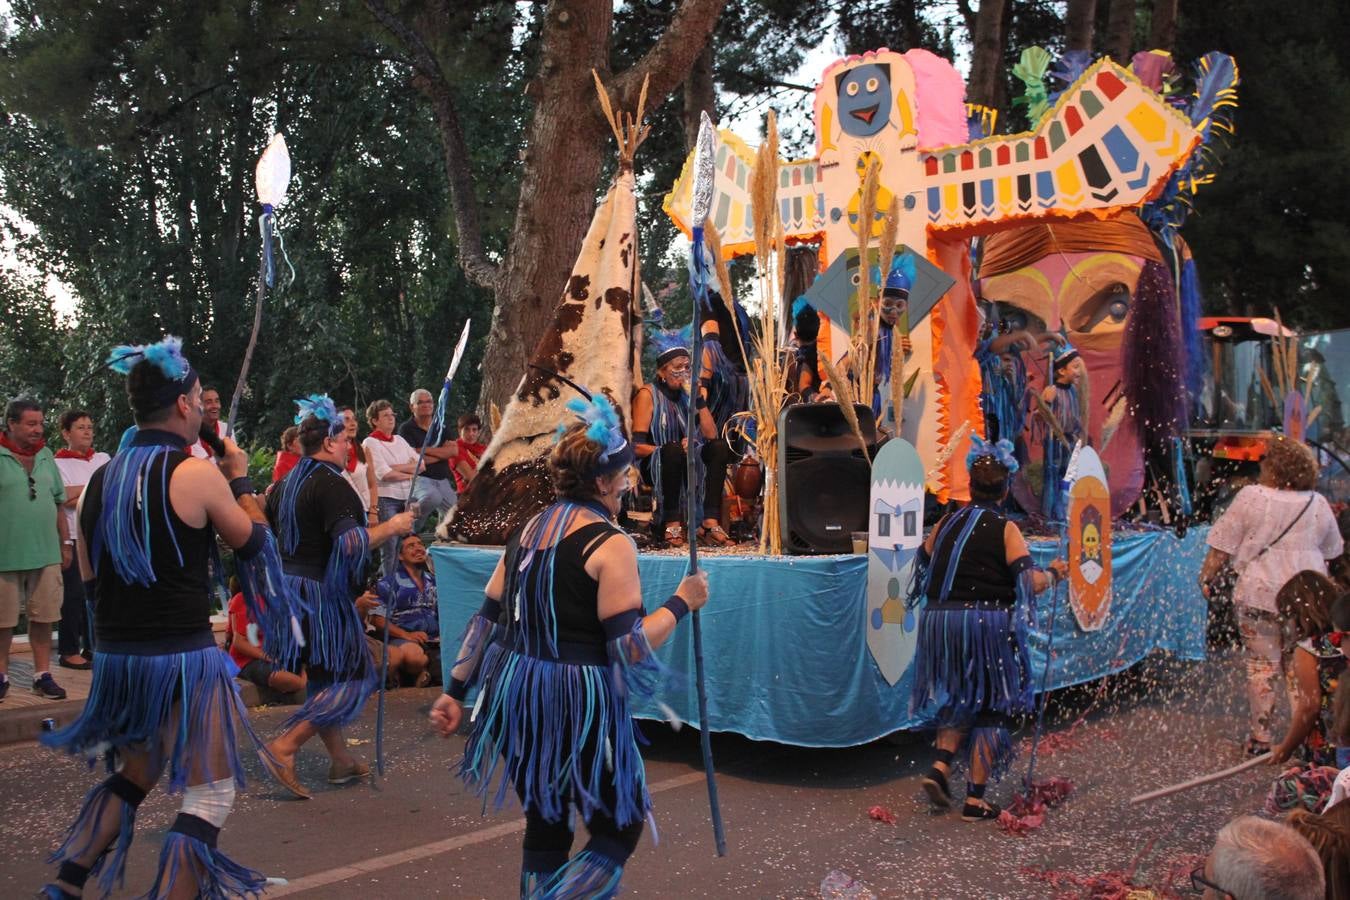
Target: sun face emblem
864,99
1092,542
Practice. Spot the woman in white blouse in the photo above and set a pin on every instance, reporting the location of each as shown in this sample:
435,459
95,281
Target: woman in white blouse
1272,531
393,460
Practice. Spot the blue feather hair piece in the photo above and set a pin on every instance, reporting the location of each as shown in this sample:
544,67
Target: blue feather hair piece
659,340
167,355
321,407
603,424
1002,451
901,275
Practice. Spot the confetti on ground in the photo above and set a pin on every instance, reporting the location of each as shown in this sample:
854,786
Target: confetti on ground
1027,811
882,814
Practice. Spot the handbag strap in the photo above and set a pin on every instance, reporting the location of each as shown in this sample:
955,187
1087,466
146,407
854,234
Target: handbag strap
1287,529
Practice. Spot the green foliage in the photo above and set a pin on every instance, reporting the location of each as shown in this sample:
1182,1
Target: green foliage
132,132
261,460
1271,230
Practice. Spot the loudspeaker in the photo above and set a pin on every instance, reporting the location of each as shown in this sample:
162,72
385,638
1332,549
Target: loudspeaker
825,480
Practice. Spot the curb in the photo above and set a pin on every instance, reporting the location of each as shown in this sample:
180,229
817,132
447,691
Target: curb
21,725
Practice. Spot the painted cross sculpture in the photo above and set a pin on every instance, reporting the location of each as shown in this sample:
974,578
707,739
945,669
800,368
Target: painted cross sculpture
1108,144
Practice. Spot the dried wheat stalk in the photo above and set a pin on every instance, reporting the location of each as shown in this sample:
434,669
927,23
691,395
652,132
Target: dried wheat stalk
768,378
863,345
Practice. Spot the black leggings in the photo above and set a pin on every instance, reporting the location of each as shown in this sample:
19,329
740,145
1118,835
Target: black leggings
716,456
548,844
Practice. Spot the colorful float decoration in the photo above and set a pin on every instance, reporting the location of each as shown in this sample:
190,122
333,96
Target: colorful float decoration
1109,144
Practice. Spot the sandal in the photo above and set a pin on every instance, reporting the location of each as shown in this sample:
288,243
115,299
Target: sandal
715,536
935,786
980,812
674,534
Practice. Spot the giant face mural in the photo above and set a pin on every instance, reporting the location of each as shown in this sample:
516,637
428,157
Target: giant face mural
1079,279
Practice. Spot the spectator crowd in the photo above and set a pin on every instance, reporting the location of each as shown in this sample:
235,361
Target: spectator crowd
40,578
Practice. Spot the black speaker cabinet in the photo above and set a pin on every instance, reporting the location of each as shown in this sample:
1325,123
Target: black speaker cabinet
824,479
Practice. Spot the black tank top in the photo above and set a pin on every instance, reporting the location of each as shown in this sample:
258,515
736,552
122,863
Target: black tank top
326,507
575,593
982,572
178,602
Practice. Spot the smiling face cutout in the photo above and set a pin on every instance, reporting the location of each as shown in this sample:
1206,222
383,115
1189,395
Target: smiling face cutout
864,99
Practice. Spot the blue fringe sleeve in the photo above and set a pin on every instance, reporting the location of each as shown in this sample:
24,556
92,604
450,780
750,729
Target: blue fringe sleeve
347,560
635,670
269,598
1024,616
477,634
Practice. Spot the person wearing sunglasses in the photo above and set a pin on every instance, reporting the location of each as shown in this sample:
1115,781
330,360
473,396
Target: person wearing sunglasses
1256,859
35,542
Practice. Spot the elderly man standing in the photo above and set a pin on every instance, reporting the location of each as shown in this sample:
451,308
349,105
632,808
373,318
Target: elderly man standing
435,488
1255,859
35,542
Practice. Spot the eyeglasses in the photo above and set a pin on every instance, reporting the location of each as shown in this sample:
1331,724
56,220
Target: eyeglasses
1199,882
32,488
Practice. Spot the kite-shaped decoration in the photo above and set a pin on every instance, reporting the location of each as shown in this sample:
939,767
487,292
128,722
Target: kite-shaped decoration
1089,542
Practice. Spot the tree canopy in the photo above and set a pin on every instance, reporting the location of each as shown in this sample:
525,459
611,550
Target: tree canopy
131,131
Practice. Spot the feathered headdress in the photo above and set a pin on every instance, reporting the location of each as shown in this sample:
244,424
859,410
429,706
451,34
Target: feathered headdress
1001,451
321,407
167,356
901,276
605,428
667,343
1065,355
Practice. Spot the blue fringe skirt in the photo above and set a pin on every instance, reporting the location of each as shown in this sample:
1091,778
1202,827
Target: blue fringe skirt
175,699
561,733
342,675
972,672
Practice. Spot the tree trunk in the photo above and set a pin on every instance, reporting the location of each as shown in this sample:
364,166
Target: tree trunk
1078,24
566,144
565,149
1162,33
700,95
1120,31
987,58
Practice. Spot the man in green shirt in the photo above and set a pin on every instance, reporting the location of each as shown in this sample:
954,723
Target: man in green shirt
34,542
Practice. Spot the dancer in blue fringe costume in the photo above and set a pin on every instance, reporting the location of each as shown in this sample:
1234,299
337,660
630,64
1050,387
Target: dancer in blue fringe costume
1063,398
317,516
661,448
560,645
971,671
163,694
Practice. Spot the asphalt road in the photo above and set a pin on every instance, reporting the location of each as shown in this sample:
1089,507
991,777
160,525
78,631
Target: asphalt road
792,815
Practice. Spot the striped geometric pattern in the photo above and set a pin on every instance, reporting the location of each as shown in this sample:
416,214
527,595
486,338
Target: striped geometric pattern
1109,142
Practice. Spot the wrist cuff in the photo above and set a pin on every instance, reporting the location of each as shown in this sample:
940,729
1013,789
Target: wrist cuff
677,607
241,486
255,543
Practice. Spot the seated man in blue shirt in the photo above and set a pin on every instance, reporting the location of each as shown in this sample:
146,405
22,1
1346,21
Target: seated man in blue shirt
408,596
